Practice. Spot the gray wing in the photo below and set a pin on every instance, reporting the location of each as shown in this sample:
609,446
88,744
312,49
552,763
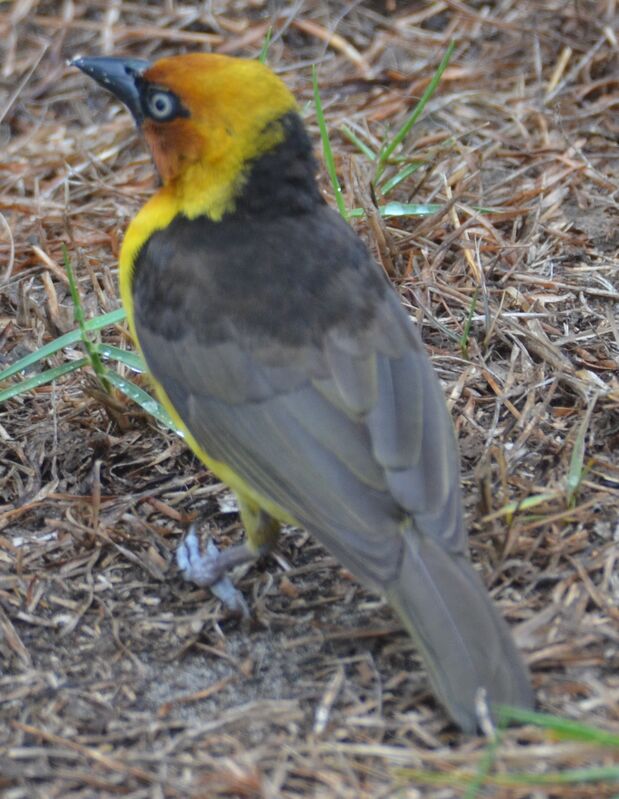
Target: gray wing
350,436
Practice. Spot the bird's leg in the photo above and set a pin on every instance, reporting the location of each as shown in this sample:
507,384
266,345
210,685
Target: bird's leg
209,568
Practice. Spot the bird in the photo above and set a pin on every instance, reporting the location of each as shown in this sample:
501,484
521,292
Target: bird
284,354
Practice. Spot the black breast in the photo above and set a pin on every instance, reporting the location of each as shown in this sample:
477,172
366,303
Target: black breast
282,265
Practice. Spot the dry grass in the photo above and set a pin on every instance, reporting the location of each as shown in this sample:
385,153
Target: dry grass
119,680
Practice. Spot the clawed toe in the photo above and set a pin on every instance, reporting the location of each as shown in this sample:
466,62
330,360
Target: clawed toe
202,568
208,569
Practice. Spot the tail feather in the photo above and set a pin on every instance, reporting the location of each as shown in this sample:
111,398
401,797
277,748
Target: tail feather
464,642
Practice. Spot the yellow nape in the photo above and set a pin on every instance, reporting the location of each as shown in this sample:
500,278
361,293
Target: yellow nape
233,110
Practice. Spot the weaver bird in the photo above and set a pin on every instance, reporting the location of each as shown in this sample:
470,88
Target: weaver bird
278,346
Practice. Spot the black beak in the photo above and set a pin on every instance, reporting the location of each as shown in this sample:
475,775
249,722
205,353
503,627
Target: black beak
117,75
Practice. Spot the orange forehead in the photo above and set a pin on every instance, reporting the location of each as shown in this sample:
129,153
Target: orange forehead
203,80
188,76
182,70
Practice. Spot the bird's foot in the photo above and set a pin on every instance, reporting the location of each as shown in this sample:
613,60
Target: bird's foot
209,568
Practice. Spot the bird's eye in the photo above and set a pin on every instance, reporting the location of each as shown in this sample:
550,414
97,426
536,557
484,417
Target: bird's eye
161,105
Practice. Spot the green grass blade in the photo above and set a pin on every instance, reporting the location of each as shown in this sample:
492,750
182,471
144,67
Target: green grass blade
111,318
97,323
127,357
359,144
575,776
24,386
567,729
326,148
520,506
404,130
144,400
484,767
400,209
92,352
265,45
575,471
404,173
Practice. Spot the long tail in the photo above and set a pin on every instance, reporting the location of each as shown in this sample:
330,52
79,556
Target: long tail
465,643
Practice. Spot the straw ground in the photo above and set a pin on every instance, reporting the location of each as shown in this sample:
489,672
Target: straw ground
118,679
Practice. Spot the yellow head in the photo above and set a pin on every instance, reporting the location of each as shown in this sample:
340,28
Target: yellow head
204,116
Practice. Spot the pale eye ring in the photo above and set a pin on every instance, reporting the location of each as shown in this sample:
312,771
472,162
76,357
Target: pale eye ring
161,105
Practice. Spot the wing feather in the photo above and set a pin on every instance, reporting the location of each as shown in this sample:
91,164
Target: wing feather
350,477
333,413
